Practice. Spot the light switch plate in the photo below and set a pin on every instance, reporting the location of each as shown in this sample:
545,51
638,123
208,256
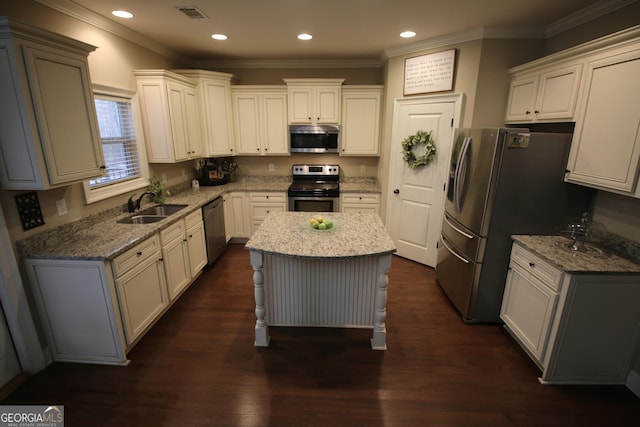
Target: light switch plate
271,167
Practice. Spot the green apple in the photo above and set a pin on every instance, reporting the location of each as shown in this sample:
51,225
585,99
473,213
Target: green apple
315,224
328,223
322,226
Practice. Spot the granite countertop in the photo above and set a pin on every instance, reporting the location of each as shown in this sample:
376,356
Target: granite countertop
102,237
595,260
353,235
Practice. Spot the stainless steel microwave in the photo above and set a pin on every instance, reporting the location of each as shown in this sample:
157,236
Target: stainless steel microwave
314,138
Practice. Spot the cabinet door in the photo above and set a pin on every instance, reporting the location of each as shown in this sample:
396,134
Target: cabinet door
143,297
247,122
327,105
522,98
218,119
176,261
197,247
239,208
274,124
527,309
65,114
606,143
229,220
360,132
179,126
558,93
194,139
300,108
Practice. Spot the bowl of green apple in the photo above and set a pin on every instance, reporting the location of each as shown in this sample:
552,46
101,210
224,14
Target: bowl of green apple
319,223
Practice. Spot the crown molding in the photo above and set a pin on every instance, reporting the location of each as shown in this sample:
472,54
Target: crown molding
85,15
286,63
585,15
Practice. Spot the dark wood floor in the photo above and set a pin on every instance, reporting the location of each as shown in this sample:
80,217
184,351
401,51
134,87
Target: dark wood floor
197,367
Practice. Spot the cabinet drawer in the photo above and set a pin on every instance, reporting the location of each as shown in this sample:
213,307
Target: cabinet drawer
537,267
361,198
193,218
268,197
172,232
132,257
261,211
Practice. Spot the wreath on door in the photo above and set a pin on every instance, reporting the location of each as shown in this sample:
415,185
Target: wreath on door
420,138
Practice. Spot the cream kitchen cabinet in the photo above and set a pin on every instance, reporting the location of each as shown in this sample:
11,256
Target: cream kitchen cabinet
260,120
546,95
69,294
170,116
262,204
360,203
314,100
239,207
577,327
48,127
228,216
140,283
216,113
360,133
184,252
605,151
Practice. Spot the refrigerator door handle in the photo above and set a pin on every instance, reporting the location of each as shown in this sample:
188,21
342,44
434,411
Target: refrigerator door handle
457,187
467,235
444,243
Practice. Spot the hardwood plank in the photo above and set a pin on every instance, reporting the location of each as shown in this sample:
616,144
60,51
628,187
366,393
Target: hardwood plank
198,367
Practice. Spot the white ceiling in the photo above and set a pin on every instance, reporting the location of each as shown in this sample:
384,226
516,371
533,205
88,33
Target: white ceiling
355,30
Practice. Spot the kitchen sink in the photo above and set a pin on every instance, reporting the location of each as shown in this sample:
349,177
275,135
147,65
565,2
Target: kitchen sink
163,210
142,219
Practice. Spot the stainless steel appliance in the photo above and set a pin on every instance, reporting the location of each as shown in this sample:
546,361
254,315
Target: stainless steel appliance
314,138
502,182
315,188
213,214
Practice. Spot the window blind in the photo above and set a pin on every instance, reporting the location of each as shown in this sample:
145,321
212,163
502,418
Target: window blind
118,137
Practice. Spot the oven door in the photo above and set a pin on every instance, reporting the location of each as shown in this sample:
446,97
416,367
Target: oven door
314,204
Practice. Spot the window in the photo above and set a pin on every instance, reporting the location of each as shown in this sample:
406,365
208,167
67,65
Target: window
121,145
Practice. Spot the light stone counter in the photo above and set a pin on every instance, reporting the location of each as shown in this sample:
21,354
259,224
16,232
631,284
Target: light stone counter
307,277
554,249
353,235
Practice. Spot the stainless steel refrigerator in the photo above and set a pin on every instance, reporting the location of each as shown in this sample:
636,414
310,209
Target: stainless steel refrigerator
502,181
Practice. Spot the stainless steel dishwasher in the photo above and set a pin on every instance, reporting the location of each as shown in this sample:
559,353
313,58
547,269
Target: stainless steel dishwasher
213,214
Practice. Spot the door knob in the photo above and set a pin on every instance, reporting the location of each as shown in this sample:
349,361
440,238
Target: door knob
396,191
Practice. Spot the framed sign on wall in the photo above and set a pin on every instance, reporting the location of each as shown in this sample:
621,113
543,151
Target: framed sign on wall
429,73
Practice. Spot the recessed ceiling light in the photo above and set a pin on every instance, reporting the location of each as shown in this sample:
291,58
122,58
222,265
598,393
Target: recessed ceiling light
219,36
122,14
305,36
407,34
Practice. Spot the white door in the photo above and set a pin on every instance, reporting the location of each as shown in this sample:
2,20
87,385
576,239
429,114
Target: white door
9,365
416,203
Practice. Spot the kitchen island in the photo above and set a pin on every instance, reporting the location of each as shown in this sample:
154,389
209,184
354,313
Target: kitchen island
332,278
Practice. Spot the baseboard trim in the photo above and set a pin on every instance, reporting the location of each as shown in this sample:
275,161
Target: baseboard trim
633,382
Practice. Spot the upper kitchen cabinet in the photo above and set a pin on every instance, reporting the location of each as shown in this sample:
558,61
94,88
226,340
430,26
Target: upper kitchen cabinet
48,127
216,119
360,133
170,116
546,94
605,151
314,100
260,120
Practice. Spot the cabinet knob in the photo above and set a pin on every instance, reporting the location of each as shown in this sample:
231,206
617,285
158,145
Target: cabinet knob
103,167
139,253
527,112
536,112
396,191
532,264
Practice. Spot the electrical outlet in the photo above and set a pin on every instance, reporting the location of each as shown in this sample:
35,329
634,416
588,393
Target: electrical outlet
61,206
271,167
183,172
164,178
363,168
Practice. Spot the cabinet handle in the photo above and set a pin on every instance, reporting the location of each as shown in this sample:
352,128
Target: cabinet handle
103,167
160,259
532,264
396,191
266,149
536,112
191,236
139,253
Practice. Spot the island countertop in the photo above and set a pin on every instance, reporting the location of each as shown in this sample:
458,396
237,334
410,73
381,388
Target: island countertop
353,235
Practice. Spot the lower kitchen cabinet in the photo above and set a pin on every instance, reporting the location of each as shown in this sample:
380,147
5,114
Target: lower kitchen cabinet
578,328
69,294
142,291
263,203
95,311
239,207
360,203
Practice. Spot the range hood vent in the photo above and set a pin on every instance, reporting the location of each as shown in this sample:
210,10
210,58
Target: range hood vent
192,12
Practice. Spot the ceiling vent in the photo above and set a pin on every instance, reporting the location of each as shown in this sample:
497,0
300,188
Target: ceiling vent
192,12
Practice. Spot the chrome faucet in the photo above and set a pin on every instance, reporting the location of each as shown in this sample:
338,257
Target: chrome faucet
133,206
